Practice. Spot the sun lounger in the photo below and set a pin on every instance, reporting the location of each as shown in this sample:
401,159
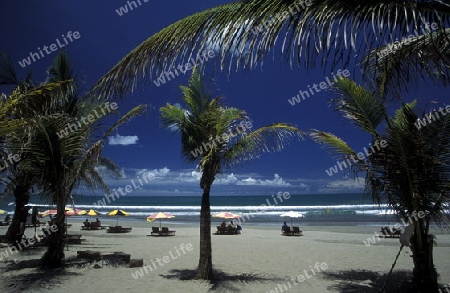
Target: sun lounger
74,239
91,226
226,230
118,229
163,232
286,231
296,231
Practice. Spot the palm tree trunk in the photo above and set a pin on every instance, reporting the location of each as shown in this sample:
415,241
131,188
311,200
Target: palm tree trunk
424,272
204,270
54,257
21,196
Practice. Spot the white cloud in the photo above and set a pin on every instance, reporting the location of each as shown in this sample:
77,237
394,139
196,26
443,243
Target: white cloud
122,140
348,185
228,179
276,181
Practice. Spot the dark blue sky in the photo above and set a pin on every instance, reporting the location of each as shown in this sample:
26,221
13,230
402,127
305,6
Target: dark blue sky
106,37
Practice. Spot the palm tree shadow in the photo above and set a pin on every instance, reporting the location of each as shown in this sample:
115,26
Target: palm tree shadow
222,282
369,281
35,279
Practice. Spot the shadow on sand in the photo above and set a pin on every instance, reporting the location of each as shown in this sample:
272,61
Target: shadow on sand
370,281
222,282
32,278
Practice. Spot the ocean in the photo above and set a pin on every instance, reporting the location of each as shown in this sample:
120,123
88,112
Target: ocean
317,209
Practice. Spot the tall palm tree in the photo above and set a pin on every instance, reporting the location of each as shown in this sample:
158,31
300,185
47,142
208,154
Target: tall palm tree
53,163
324,32
216,137
410,173
16,112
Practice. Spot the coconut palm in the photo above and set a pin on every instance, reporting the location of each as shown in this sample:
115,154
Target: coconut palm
16,110
325,32
410,174
59,163
217,137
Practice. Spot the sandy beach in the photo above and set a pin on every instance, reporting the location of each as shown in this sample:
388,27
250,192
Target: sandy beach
333,259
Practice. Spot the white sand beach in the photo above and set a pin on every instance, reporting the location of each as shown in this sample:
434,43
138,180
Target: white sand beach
333,259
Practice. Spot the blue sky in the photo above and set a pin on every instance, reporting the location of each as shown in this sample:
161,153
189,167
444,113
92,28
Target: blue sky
143,145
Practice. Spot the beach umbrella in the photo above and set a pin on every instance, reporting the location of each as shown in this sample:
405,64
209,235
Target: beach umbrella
91,213
68,212
2,212
292,214
159,216
226,215
118,213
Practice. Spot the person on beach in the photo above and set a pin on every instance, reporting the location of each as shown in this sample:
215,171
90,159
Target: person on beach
285,226
223,225
231,225
239,229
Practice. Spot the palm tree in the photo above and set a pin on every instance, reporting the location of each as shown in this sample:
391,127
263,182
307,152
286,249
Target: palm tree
410,173
53,163
16,110
217,137
325,32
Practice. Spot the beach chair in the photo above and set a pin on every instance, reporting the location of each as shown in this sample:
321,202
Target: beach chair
118,229
296,231
166,232
287,231
155,231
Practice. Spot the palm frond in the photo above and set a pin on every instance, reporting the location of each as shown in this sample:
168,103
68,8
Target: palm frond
136,111
271,138
7,73
397,66
359,105
339,148
244,32
61,70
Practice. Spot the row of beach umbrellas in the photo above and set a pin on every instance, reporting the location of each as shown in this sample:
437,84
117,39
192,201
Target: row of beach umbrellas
93,213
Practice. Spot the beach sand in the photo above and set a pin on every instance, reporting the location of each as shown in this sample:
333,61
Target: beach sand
259,260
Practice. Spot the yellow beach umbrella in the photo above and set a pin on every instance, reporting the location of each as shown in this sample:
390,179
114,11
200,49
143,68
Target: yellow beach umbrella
2,212
118,213
93,213
159,216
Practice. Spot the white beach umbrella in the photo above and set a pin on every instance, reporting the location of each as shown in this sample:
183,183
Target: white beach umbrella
292,214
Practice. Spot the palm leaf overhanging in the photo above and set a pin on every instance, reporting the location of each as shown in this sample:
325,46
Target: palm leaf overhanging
242,33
